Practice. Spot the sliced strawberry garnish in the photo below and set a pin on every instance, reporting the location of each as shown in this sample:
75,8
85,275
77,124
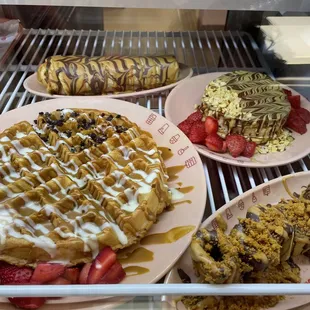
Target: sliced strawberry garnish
72,274
195,117
10,274
185,126
114,275
298,127
197,134
294,101
235,144
84,273
100,266
46,272
214,143
211,125
59,281
249,150
287,91
224,149
296,123
28,302
304,114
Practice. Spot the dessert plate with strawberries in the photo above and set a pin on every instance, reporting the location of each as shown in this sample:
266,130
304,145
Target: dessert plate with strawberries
93,191
242,118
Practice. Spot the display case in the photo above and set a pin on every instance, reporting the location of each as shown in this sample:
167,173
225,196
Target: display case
269,37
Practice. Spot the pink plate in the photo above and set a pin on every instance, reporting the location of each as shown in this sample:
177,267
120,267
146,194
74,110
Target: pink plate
32,85
271,192
180,104
189,212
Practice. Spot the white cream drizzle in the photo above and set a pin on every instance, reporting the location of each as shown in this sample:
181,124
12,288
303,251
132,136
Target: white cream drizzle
86,231
65,111
4,139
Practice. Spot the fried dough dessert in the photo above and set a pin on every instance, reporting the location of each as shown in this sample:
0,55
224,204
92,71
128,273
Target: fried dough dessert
82,75
76,182
259,249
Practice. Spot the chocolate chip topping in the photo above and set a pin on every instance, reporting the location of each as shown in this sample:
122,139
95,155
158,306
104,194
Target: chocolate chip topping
74,114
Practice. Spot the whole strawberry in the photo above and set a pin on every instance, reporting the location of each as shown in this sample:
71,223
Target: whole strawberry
235,144
197,133
249,150
195,117
185,126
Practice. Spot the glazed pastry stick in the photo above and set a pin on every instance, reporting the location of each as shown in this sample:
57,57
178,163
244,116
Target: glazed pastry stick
82,75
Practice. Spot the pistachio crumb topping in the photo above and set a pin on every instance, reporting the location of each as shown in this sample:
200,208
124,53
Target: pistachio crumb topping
220,99
277,144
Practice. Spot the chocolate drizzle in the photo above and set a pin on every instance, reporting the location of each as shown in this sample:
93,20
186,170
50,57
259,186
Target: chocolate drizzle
82,75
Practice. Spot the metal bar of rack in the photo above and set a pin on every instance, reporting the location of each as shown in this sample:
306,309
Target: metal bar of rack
205,51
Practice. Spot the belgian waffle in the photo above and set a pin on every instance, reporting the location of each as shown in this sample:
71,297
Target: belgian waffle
74,182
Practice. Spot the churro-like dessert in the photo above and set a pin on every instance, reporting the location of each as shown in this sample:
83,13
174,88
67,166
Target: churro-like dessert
82,75
259,249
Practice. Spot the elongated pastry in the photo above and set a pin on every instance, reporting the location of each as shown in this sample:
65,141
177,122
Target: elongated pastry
82,75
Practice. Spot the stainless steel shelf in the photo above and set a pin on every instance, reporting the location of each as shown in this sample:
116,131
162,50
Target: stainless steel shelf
205,51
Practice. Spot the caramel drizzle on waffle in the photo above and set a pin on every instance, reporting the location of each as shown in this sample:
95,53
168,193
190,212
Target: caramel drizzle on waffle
89,177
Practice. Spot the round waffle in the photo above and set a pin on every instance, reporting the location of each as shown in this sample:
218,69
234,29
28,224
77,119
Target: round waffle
75,182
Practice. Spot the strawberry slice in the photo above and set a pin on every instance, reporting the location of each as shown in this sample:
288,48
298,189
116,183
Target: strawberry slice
10,274
298,127
59,281
304,114
195,117
224,148
100,266
46,272
287,91
197,133
84,273
235,144
294,101
296,123
72,274
211,125
249,150
214,143
27,302
185,126
114,275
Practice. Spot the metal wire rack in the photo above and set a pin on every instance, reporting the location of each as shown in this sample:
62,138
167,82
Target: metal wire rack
205,51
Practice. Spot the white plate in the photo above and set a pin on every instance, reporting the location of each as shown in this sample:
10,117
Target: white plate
165,135
180,104
33,86
270,192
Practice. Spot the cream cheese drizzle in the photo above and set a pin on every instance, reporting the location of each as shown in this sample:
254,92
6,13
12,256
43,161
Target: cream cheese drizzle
86,231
